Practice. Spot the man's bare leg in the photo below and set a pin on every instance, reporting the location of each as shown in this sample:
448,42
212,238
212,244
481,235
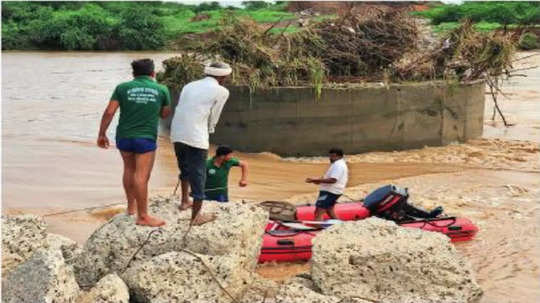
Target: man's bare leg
185,204
195,209
197,218
319,212
331,213
143,169
128,180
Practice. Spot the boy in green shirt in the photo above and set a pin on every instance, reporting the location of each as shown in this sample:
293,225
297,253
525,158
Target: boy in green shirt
217,174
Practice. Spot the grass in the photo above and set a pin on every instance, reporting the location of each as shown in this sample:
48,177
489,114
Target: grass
181,23
509,12
288,30
481,26
487,26
268,16
487,15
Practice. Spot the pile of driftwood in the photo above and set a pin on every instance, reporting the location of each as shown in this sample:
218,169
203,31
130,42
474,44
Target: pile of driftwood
376,45
464,54
255,54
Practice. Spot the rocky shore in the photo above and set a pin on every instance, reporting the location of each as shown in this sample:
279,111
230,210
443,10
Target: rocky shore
365,261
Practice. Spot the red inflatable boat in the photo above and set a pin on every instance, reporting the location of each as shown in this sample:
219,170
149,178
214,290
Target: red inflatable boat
283,244
291,241
348,211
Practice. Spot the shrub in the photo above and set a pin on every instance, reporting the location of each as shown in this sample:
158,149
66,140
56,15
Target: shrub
72,30
528,41
13,37
139,29
511,12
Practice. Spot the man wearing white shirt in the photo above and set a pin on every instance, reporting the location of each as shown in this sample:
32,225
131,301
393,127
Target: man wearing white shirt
196,115
332,185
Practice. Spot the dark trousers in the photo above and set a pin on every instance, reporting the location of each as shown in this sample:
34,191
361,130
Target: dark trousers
192,165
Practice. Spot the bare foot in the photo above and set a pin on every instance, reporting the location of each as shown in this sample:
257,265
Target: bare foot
130,213
184,206
203,218
150,221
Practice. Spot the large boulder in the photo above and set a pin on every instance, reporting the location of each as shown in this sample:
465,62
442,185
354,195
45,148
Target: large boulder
188,277
9,262
110,289
376,259
21,237
120,243
43,278
295,290
69,248
299,290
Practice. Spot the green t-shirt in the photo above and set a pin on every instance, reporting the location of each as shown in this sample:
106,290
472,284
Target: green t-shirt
140,101
217,177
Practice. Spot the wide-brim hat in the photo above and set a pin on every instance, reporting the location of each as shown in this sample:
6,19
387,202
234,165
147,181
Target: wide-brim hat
218,69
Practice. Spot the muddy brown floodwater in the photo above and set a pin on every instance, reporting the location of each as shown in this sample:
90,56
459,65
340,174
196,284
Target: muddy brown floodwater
52,103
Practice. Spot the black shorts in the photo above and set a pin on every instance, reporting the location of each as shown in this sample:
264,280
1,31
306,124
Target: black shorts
326,200
192,165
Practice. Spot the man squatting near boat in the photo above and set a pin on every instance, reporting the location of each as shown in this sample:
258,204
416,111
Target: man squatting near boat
217,174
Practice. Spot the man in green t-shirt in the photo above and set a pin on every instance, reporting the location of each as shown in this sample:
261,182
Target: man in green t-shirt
217,174
141,101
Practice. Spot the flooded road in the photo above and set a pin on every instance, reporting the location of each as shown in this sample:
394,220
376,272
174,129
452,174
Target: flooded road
52,103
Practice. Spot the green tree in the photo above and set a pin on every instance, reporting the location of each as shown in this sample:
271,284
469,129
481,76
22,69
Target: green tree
140,30
511,12
72,30
207,6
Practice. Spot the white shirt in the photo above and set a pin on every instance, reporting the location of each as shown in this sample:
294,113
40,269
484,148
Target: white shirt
197,112
340,172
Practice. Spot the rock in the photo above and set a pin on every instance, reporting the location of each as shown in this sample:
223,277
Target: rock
260,289
299,290
358,300
303,290
9,262
43,278
182,277
237,230
110,289
21,237
296,290
376,259
306,281
69,248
